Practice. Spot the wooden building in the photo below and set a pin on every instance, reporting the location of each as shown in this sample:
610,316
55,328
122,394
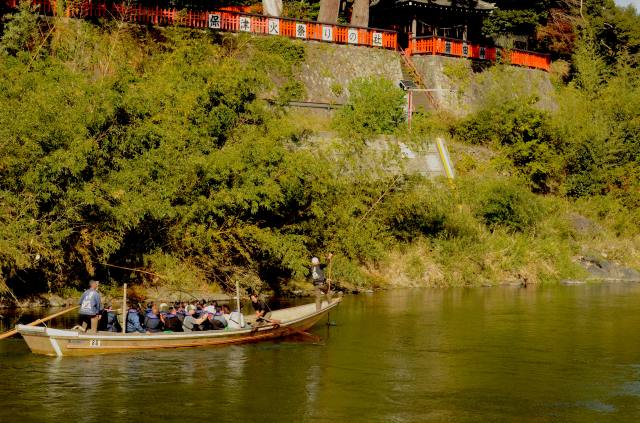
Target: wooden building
459,19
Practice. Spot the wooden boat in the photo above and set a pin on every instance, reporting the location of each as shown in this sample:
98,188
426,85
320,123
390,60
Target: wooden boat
69,342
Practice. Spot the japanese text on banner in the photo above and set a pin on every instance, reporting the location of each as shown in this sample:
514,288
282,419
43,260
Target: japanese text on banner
244,23
352,36
301,30
327,33
215,21
274,26
376,39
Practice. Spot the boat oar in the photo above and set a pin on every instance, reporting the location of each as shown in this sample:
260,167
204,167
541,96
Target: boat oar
37,322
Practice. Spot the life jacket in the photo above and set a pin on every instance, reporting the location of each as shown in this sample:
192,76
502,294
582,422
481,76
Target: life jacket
317,275
153,322
220,318
133,321
172,323
214,324
112,322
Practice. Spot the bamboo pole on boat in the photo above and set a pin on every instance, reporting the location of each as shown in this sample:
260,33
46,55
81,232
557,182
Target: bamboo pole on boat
329,272
124,308
238,296
37,322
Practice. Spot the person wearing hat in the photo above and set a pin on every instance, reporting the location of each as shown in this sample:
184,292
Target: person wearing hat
90,307
190,323
320,281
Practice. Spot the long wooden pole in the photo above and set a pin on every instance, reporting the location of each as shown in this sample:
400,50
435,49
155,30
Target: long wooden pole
37,322
238,296
124,308
329,274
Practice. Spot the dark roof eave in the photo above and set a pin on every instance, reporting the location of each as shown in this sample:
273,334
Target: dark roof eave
424,5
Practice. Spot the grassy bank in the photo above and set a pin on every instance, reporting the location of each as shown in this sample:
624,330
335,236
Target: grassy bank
155,149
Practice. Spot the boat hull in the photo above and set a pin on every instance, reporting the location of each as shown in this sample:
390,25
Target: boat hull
57,342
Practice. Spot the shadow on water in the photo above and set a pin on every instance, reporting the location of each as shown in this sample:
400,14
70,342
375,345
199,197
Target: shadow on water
502,354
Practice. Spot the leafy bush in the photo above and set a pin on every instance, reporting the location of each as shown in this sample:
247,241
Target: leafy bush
507,204
21,30
525,136
375,106
427,210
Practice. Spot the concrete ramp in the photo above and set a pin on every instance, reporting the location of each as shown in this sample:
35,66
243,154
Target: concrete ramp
433,162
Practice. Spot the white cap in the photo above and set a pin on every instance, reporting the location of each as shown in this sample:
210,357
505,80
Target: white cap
315,260
210,309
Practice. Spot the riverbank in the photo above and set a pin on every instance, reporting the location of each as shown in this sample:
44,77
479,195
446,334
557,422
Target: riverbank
598,270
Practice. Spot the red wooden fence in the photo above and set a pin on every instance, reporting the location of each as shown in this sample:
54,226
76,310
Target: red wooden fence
237,21
459,48
225,20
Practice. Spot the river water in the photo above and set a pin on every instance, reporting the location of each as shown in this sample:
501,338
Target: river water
558,353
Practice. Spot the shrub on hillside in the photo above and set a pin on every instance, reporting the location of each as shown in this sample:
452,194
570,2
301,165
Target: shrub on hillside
430,210
417,213
375,106
21,30
507,204
525,136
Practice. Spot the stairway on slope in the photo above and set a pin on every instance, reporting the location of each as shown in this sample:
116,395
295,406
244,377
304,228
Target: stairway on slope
421,99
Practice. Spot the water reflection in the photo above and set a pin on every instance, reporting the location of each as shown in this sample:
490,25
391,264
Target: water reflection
505,354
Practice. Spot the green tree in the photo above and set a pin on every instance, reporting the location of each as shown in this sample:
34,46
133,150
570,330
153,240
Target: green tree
375,106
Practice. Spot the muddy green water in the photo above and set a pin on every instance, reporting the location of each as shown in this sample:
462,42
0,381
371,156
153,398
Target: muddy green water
562,353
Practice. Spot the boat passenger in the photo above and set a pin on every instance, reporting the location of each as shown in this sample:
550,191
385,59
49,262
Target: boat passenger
235,320
258,306
219,316
90,306
215,321
226,311
171,321
152,320
191,323
102,321
180,311
133,321
113,325
262,310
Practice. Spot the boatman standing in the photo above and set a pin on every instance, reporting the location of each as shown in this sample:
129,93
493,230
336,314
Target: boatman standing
90,306
321,287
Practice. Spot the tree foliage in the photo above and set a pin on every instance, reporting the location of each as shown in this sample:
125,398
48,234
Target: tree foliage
157,149
375,106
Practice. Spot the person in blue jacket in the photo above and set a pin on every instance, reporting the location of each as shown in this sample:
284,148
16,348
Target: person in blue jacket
133,321
152,320
90,307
